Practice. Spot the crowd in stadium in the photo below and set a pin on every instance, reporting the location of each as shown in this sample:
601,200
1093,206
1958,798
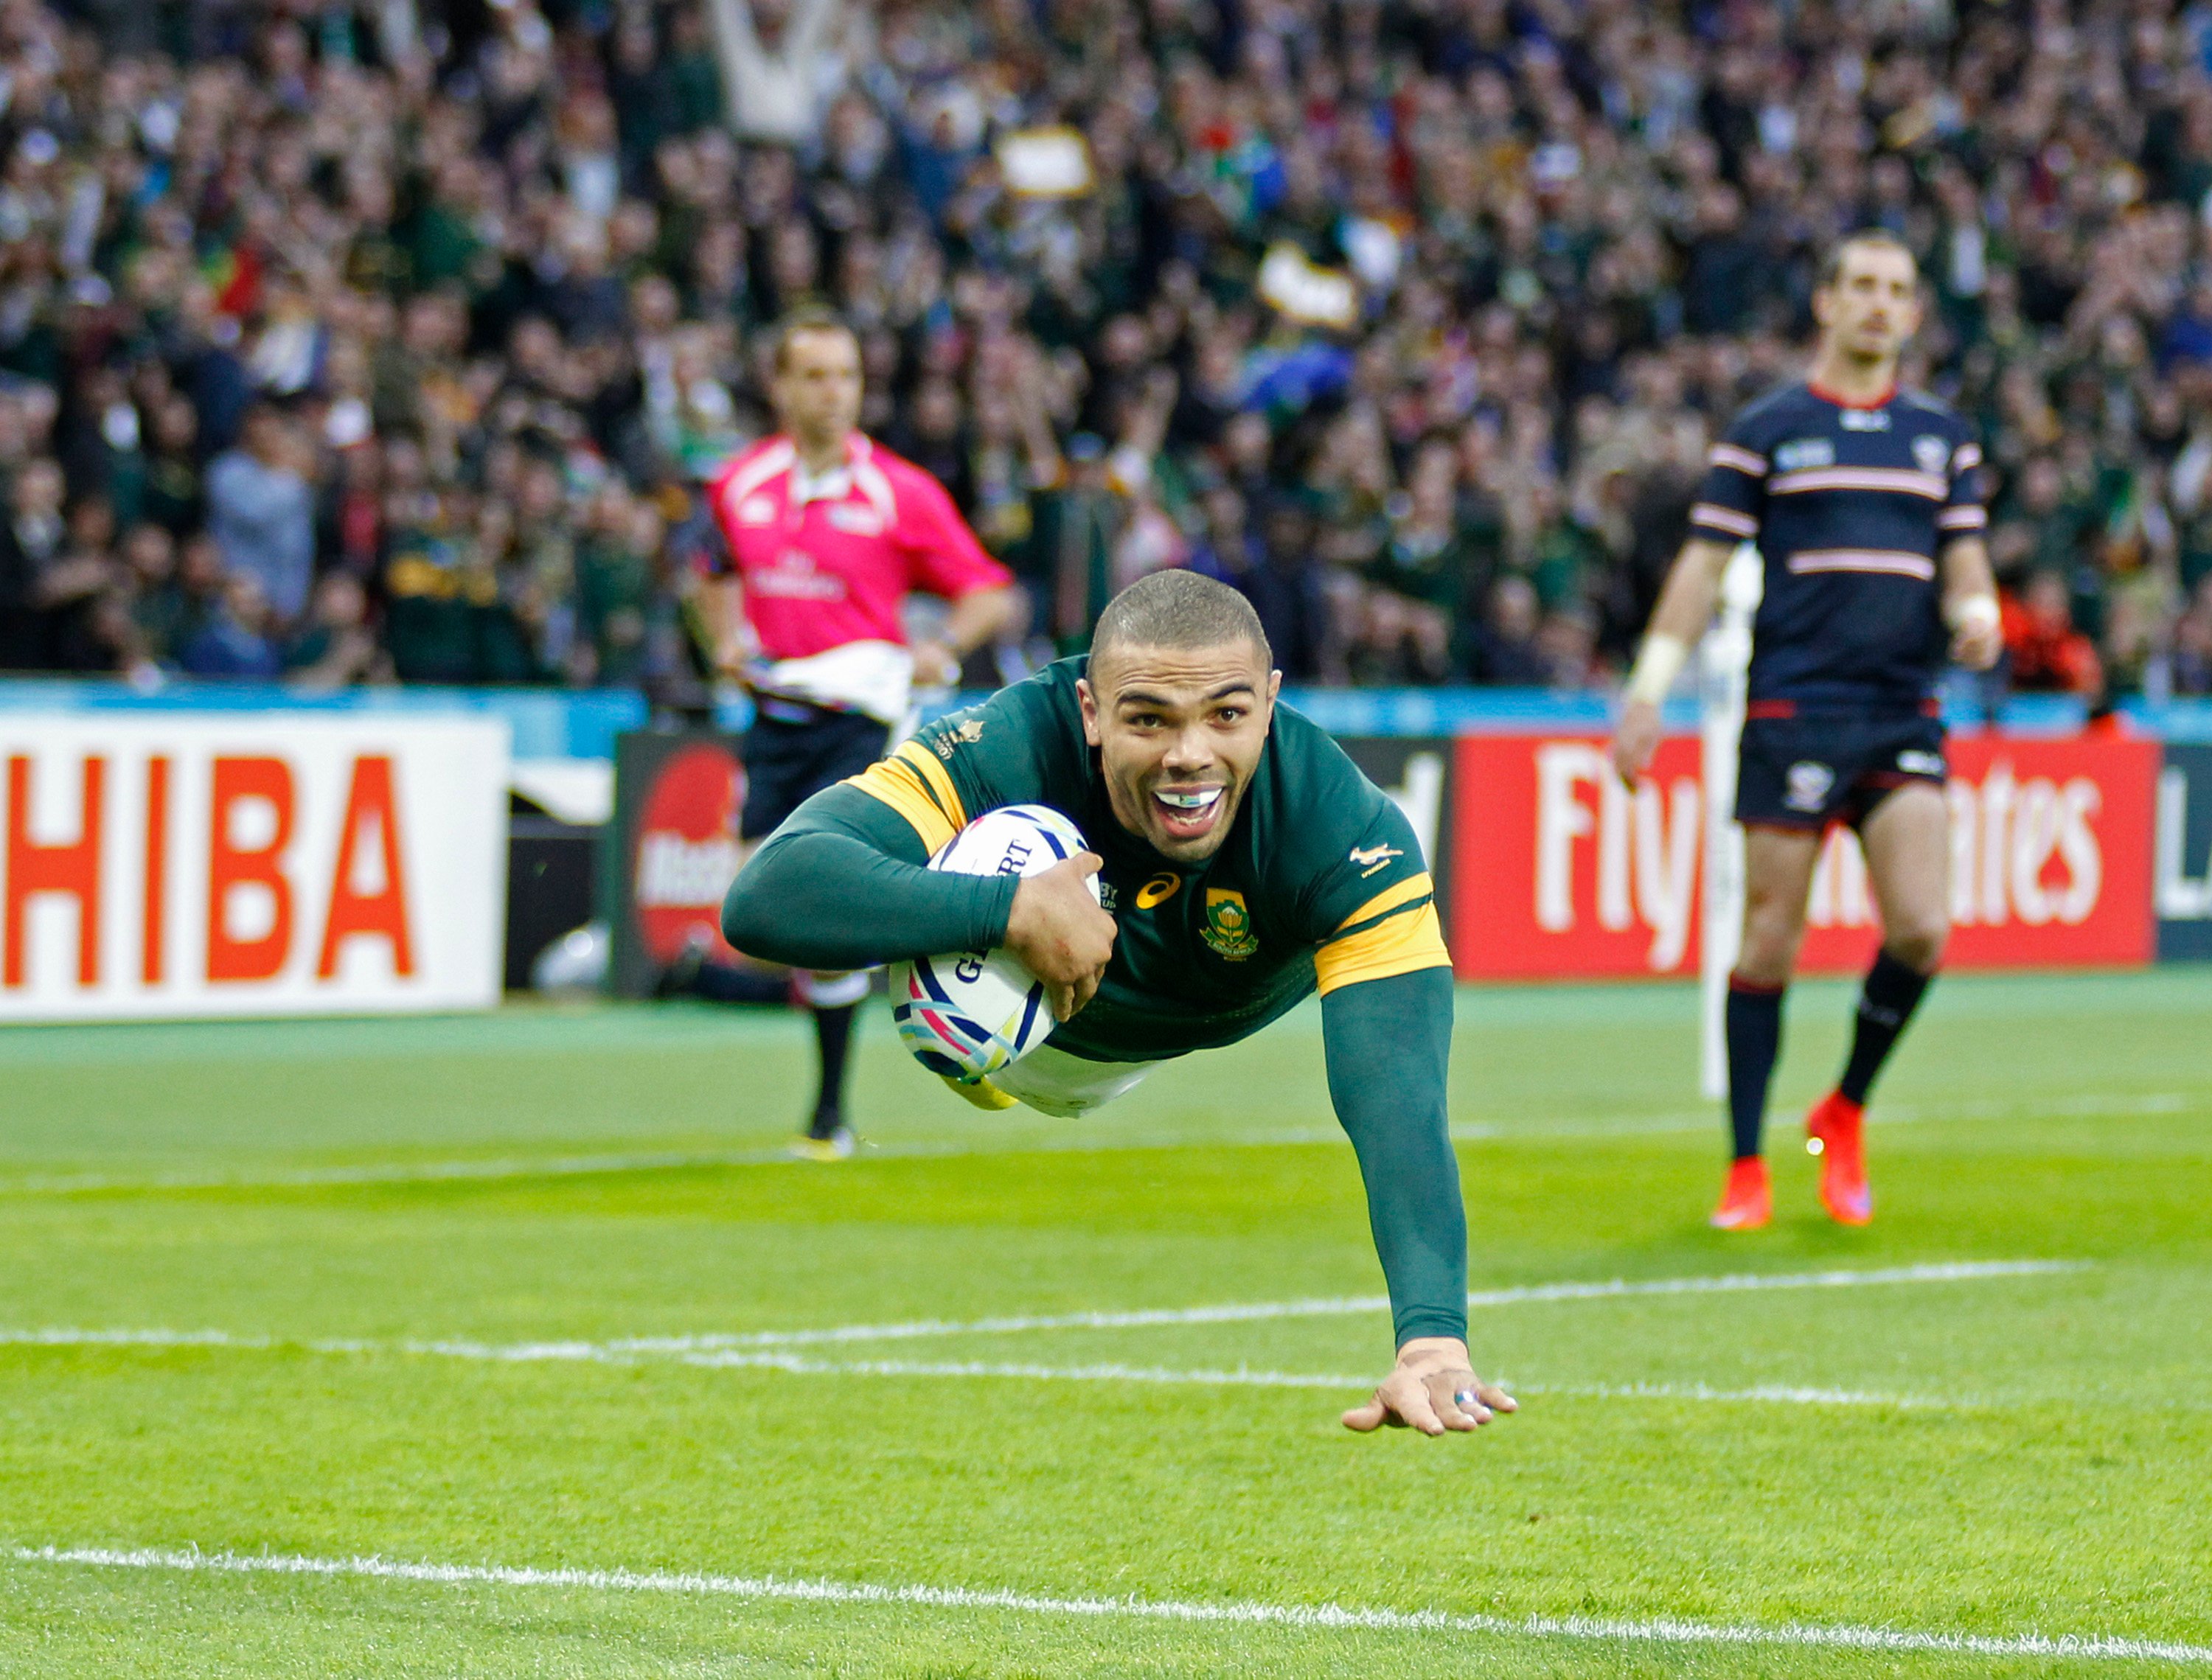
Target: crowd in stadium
363,342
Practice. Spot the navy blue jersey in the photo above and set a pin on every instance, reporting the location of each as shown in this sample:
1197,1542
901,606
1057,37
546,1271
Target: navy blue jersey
1849,506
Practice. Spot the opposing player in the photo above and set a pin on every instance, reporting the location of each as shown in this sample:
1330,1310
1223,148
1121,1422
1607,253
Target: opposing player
1244,862
1863,501
828,532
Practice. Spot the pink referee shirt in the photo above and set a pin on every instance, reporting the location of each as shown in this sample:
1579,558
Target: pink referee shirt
825,560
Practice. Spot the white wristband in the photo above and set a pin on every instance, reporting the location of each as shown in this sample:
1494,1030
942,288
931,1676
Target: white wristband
1976,612
1657,666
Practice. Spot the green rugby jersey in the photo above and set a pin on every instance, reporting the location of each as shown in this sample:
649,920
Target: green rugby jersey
1319,884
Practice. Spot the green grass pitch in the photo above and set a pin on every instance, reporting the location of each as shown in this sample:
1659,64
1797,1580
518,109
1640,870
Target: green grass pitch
531,1294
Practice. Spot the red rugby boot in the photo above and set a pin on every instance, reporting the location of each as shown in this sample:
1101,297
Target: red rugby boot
1835,1131
1747,1202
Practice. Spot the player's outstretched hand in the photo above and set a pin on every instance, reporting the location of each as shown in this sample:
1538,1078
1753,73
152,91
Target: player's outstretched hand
1635,738
1057,931
1975,645
1433,1390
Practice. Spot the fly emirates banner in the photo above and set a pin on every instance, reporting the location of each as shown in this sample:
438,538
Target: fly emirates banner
1558,870
207,864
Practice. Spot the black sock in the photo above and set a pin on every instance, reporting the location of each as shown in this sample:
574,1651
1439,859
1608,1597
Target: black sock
1892,992
833,1034
1755,1039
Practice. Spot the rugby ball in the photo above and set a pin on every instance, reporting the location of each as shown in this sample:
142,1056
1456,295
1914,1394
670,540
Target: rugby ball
967,1014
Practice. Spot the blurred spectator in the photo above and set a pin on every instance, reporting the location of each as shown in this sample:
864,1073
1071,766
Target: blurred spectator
1449,299
261,512
336,649
160,613
1507,654
2191,669
233,639
79,637
28,542
2044,649
779,59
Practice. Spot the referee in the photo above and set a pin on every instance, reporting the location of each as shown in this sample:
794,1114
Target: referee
827,533
1865,503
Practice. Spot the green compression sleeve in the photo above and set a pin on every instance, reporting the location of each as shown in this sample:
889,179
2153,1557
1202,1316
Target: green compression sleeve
829,889
1388,1043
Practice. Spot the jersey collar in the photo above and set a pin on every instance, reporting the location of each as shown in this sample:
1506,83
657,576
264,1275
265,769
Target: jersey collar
1843,402
834,485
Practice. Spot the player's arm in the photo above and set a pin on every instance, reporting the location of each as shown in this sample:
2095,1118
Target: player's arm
945,558
1970,603
1386,988
1388,1043
1685,606
844,884
976,618
1970,587
1730,506
723,604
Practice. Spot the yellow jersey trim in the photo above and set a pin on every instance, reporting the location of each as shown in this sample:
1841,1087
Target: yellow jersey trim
1390,898
1399,944
896,784
937,781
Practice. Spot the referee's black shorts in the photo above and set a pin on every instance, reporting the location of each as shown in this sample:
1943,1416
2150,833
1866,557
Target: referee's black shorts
794,751
1800,771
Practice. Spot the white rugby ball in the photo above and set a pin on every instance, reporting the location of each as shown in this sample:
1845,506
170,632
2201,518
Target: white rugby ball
967,1014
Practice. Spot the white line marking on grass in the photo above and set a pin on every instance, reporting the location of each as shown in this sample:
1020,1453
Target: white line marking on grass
1952,1271
1656,1630
709,1350
665,1161
1244,1377
593,1353
419,1172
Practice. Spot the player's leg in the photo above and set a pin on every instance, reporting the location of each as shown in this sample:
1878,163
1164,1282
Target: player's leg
1778,877
839,745
1907,840
790,753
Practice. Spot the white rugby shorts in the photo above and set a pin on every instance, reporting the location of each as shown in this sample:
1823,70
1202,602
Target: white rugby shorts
1054,1082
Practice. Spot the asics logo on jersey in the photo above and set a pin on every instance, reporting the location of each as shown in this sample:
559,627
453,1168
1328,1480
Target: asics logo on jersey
1157,891
1372,858
1804,452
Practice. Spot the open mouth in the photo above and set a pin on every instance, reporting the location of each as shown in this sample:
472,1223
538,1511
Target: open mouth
1186,813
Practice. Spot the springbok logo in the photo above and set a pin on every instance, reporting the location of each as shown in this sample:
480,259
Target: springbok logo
1228,930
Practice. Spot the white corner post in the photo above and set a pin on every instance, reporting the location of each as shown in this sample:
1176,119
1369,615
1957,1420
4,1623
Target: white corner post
1723,671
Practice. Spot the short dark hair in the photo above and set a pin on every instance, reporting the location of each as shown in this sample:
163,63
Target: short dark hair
1832,265
1180,609
806,318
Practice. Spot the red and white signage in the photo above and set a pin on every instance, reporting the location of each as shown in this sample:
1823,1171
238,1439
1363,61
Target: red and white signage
204,865
1558,871
686,848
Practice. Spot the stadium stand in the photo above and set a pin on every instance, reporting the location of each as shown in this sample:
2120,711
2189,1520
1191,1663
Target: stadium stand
389,342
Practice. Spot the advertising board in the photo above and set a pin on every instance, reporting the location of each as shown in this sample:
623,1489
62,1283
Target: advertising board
1559,871
671,851
178,864
2181,876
